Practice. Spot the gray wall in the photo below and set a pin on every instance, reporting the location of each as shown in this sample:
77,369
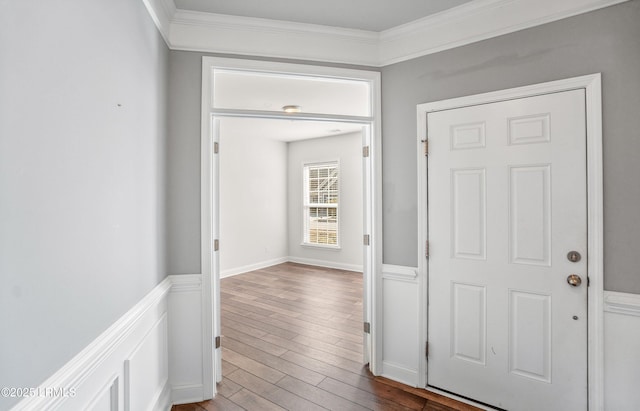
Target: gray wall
183,205
606,41
84,87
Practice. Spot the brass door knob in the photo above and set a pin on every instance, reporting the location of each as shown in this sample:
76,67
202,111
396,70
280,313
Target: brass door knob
574,280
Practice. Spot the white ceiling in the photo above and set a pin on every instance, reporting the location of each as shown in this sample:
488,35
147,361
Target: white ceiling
373,15
283,130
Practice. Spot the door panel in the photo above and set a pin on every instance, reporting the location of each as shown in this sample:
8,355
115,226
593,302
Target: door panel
507,202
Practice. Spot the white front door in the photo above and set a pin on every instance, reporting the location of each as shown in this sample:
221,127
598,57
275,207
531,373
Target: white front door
507,203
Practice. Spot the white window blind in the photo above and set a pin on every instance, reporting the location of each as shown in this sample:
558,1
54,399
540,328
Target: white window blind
321,201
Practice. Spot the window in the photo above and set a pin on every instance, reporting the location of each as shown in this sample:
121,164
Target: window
321,201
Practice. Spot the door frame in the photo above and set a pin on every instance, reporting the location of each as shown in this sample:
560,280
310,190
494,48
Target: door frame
372,184
595,300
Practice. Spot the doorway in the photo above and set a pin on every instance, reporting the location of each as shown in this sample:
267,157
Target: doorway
528,329
213,113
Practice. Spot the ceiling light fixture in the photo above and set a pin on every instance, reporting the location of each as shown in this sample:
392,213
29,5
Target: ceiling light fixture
291,109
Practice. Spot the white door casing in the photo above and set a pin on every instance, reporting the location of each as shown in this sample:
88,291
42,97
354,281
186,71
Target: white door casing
511,328
372,263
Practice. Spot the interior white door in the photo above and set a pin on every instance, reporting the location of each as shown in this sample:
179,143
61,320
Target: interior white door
507,202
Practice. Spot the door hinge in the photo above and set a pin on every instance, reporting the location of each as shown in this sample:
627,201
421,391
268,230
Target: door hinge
366,239
216,147
365,151
426,249
367,328
216,245
218,342
426,349
426,146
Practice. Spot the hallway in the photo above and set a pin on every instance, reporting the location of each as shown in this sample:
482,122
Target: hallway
292,340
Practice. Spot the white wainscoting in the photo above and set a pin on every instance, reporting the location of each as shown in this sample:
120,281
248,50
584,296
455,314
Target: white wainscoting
185,339
125,368
621,351
400,324
149,359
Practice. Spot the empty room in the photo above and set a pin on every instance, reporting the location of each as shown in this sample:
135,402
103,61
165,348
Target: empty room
269,204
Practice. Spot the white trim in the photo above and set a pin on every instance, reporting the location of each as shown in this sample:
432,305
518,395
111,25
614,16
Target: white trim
306,205
185,283
230,272
399,272
326,264
622,303
209,198
186,394
397,372
216,33
185,350
475,21
162,13
468,23
592,85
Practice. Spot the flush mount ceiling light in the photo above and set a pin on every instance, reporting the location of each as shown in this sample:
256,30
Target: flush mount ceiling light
291,109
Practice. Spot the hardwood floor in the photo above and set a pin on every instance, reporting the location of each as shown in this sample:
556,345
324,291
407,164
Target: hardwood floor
292,340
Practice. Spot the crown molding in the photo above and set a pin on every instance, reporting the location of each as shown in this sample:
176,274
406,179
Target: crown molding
162,12
216,33
475,21
468,23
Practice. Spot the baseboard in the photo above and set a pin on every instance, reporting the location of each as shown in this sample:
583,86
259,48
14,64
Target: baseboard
251,267
96,376
186,394
326,264
399,373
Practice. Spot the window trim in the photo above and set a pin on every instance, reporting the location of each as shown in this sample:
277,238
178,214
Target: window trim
306,205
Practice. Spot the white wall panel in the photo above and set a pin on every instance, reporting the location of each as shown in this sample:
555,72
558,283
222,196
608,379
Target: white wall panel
621,355
107,399
95,378
146,371
185,339
400,324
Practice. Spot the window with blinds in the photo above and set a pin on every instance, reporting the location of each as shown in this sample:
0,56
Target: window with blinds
321,201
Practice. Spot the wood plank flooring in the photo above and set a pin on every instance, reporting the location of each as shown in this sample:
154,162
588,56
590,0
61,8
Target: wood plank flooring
292,340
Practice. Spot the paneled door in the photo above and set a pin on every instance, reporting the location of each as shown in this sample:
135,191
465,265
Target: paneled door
507,229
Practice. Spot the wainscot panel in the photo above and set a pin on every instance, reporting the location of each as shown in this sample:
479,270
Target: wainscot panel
95,378
621,354
400,324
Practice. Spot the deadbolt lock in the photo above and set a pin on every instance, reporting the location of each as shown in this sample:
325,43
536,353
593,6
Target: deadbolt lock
574,256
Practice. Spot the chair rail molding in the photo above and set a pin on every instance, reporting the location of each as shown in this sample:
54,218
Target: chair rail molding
622,303
149,359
